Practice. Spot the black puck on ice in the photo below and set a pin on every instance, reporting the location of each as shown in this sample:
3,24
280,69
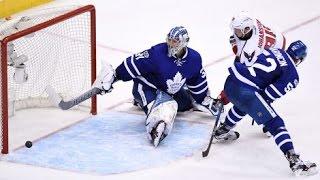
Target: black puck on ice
28,144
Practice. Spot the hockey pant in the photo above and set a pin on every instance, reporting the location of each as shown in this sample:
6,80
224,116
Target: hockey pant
248,101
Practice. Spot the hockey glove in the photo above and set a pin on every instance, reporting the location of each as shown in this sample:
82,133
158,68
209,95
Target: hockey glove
223,98
211,104
105,79
233,42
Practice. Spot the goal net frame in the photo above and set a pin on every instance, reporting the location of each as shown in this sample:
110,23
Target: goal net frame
29,30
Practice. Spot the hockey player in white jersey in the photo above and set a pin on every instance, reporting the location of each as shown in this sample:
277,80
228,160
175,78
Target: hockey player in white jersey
250,34
249,38
160,78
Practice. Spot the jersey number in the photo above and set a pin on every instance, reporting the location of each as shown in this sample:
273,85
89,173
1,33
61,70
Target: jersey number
140,55
203,73
272,67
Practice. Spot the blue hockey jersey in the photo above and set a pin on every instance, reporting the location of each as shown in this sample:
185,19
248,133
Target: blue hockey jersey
273,73
155,69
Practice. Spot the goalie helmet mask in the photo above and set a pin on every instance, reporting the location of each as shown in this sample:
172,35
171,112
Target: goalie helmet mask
242,25
177,40
297,51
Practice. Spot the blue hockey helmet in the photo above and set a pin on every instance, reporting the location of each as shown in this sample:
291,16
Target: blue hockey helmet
177,39
297,51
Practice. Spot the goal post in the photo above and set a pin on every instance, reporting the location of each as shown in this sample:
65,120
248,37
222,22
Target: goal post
56,47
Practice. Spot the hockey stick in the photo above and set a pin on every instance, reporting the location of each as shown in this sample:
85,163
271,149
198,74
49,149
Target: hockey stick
215,127
65,105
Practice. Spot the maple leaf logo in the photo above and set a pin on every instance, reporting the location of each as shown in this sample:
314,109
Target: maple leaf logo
175,85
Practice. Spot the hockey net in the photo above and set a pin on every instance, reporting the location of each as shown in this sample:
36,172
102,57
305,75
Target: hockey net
59,44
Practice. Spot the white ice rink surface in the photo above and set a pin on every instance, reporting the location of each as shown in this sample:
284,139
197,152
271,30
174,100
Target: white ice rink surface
125,26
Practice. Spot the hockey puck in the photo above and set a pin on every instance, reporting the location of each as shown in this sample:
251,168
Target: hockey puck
28,144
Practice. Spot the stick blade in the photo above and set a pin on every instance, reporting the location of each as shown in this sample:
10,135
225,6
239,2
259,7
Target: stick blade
205,153
54,98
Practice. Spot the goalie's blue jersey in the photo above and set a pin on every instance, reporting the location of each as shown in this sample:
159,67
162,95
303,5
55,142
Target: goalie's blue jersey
274,73
153,68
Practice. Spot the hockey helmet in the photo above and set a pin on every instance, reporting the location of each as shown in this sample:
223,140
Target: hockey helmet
177,39
297,51
241,24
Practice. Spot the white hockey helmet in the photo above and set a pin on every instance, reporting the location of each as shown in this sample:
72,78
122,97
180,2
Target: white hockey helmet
177,39
241,24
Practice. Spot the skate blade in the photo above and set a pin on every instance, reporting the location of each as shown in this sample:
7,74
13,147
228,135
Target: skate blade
228,138
224,140
311,171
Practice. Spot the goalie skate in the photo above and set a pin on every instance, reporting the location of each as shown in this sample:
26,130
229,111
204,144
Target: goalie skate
157,133
299,167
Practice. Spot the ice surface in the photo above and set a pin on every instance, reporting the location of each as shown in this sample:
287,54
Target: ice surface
112,142
131,26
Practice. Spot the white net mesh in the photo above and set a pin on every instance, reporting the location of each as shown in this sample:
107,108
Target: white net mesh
58,55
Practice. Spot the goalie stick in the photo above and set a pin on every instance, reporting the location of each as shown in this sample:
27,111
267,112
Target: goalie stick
65,105
215,127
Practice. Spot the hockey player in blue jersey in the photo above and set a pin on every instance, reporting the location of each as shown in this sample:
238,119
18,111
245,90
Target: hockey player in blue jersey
167,78
253,87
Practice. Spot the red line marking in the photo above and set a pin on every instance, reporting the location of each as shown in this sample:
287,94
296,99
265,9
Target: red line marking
301,24
114,49
218,60
118,104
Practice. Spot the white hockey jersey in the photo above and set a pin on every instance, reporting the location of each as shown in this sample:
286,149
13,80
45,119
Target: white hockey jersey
262,38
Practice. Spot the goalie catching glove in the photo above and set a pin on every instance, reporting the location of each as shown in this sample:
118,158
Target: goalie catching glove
105,79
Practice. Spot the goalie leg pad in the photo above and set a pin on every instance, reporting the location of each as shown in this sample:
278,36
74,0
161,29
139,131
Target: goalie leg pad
159,121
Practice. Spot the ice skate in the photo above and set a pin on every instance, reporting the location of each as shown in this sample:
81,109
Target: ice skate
300,167
223,134
266,132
